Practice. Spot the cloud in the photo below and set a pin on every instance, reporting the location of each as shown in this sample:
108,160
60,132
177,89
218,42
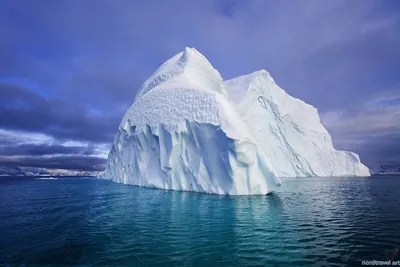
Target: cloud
21,109
366,121
352,67
371,129
20,137
73,162
44,149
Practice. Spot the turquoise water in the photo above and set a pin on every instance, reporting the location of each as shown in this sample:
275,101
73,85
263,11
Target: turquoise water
90,222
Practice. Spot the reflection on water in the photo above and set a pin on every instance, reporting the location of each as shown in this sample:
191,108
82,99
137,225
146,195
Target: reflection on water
318,222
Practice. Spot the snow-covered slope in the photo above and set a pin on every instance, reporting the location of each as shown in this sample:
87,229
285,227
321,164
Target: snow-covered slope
289,130
182,133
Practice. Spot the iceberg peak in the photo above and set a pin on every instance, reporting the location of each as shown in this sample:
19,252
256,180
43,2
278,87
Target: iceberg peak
190,53
258,74
239,86
265,74
189,69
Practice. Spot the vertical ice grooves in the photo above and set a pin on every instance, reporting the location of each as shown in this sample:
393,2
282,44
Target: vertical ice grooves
176,161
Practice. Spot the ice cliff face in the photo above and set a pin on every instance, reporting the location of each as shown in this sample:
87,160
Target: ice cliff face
182,133
288,130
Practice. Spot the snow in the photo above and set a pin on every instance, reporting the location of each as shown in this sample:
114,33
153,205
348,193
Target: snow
182,133
289,130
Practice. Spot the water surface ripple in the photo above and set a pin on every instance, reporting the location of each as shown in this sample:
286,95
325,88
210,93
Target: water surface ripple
90,222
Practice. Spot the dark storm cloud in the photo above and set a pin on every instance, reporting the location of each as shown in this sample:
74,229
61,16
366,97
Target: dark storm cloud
72,68
371,130
88,163
43,149
21,109
6,140
383,147
377,150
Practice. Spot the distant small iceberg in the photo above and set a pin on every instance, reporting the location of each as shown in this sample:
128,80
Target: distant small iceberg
47,178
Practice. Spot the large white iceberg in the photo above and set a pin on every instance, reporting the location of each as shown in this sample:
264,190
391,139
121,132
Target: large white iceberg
183,133
188,130
288,130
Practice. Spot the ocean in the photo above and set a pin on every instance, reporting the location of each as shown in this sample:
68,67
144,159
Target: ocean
82,221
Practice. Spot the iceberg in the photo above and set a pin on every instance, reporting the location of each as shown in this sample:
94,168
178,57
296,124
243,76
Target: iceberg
189,130
183,133
289,130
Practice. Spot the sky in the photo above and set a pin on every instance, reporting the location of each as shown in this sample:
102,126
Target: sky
70,69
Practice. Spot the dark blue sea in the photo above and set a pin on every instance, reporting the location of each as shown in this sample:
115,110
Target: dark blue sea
90,222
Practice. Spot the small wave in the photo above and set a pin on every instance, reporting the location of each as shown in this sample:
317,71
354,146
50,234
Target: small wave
47,178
